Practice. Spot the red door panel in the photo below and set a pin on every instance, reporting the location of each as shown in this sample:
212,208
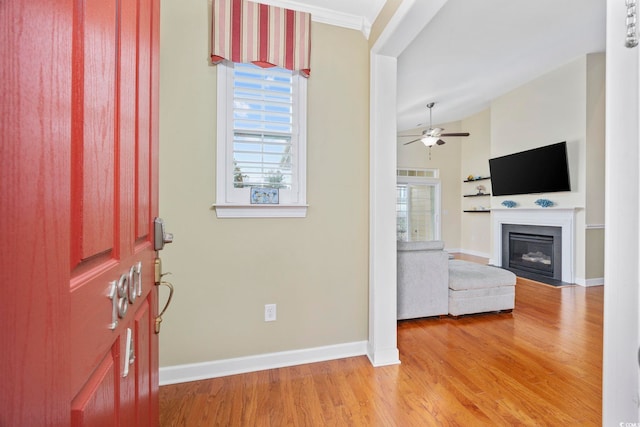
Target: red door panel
143,196
78,180
96,406
127,121
94,56
127,392
144,386
92,313
35,141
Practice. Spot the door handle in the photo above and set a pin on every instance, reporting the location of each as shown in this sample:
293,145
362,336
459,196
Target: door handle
159,282
160,236
166,305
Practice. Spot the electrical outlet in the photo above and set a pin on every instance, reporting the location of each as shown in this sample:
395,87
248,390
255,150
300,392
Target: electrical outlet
269,312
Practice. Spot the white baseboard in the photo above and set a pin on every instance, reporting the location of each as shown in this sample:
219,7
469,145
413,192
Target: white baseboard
590,282
240,365
390,356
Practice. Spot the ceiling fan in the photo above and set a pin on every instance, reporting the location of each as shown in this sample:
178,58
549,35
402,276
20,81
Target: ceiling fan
431,136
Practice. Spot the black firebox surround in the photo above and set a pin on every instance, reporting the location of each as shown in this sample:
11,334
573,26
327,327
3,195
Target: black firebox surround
554,278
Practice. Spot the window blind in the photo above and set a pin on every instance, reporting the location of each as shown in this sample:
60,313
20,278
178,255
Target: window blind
263,127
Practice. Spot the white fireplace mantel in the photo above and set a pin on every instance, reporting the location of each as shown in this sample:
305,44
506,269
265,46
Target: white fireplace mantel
552,217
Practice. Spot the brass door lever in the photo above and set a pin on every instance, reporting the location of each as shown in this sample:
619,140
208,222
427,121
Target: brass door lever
158,280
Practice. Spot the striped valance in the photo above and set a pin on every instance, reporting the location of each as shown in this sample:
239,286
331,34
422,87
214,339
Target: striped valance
244,31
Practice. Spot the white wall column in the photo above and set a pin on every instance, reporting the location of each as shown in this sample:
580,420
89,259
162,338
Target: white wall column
409,19
622,255
383,348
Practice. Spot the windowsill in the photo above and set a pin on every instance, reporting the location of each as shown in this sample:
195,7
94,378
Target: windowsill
260,211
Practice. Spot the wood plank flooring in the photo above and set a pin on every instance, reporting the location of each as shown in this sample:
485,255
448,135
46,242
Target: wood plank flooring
538,366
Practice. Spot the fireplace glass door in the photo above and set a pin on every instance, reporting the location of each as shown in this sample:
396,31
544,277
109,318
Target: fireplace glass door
532,253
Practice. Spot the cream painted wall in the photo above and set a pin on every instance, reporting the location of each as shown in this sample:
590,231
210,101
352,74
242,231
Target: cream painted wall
475,149
388,10
595,138
445,158
563,105
225,270
544,111
594,214
594,254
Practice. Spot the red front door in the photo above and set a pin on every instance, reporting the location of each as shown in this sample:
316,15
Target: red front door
78,182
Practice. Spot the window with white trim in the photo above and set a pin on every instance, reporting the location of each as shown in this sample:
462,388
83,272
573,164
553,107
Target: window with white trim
417,205
261,140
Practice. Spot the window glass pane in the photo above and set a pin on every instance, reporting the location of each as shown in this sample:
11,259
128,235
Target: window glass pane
263,118
421,201
416,212
426,173
401,213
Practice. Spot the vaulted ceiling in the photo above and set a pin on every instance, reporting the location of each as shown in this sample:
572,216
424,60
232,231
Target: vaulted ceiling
472,52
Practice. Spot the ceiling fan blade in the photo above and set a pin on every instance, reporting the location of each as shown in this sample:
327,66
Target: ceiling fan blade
411,142
440,142
412,136
456,134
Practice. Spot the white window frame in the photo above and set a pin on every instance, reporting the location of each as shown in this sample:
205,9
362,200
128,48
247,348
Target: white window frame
437,184
231,203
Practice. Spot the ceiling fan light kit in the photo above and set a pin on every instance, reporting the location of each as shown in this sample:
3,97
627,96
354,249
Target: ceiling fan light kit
429,141
431,136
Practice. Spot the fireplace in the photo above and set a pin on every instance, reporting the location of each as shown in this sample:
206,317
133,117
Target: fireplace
533,251
563,218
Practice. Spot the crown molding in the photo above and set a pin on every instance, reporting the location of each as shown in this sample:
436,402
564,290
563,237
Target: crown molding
326,16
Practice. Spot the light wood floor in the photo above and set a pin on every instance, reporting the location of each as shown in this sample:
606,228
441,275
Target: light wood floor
538,366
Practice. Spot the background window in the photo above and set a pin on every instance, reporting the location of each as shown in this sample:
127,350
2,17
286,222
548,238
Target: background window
417,207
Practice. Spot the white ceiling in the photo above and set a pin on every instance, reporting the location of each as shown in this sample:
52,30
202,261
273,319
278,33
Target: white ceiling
475,51
472,51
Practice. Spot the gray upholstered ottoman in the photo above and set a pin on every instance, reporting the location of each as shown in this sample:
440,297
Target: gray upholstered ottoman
477,288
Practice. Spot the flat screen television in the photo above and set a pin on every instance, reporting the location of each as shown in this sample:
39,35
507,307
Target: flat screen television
541,170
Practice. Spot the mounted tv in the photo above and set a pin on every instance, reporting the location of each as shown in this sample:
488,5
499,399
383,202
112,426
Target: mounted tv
541,170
